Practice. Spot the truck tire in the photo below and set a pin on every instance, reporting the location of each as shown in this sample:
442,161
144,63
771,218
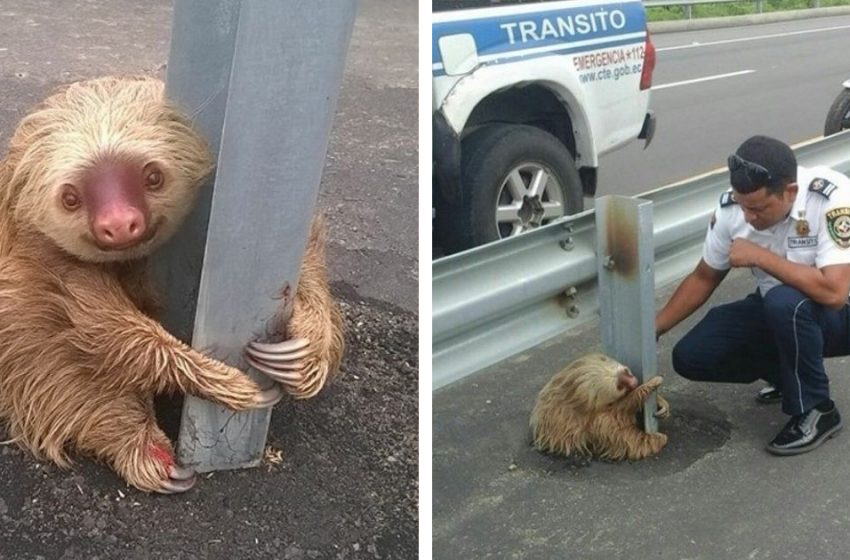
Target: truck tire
838,118
514,178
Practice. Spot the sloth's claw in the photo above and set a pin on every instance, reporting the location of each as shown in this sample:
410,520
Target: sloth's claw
171,486
663,410
279,374
282,367
180,480
269,397
279,357
179,473
282,361
279,348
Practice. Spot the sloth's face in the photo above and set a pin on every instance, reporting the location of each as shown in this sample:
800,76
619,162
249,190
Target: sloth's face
111,170
603,379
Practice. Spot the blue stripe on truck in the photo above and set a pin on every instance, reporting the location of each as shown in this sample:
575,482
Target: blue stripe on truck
512,34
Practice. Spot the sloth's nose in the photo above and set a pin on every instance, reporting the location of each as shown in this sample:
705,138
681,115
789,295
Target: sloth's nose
626,380
119,227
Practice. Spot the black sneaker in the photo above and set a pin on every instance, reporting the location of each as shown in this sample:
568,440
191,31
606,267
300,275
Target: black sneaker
805,432
769,395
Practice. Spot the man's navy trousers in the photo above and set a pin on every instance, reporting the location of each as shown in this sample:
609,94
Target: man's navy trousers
781,337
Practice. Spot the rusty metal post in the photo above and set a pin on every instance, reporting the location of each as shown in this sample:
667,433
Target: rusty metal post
626,271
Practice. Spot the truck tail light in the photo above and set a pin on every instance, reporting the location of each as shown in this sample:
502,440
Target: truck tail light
648,63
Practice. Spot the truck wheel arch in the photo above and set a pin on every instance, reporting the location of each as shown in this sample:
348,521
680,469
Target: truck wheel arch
545,105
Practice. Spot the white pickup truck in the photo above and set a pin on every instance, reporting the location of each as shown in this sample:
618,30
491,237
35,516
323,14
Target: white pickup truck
526,97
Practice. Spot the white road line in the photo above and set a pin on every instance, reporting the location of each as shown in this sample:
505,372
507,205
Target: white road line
757,38
705,79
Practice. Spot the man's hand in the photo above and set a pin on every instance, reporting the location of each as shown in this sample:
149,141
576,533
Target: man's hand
827,286
744,253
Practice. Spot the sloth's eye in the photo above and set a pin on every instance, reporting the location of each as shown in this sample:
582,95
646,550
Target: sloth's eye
70,200
153,178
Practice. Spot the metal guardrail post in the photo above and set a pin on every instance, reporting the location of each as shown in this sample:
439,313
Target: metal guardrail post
759,6
626,272
261,80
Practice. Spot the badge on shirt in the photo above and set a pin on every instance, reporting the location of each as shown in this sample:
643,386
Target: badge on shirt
838,225
802,224
802,242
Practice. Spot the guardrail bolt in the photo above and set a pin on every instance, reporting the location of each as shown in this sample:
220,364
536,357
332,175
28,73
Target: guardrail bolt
567,244
608,263
572,309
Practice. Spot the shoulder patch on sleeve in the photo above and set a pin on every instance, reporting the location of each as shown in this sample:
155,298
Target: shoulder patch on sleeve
838,225
727,199
822,187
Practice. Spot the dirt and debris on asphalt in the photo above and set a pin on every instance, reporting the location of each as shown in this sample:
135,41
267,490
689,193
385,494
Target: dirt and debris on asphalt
340,477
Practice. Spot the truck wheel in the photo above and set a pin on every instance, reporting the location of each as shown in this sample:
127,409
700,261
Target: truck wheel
514,178
838,118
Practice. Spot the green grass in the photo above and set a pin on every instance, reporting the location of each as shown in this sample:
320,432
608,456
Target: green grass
735,8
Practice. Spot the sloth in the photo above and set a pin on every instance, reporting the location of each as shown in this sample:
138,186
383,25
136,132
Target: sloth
591,408
97,177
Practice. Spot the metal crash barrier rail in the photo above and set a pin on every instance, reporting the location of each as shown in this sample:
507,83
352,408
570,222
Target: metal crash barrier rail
503,298
688,4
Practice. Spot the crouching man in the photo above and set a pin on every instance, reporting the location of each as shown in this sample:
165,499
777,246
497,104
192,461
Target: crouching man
790,226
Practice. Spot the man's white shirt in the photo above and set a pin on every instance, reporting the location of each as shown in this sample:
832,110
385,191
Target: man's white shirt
816,232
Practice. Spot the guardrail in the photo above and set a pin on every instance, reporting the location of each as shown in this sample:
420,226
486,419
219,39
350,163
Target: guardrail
501,299
688,4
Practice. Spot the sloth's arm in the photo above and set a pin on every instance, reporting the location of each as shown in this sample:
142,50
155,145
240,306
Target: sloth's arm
634,400
129,349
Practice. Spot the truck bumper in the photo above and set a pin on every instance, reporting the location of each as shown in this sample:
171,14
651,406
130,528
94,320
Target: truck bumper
648,130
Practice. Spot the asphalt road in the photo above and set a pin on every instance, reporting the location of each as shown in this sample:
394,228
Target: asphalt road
713,493
347,486
781,80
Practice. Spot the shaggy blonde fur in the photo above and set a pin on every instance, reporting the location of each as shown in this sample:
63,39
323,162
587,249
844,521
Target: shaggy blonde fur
317,318
582,411
80,353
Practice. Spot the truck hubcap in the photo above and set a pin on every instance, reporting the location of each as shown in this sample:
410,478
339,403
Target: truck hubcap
530,196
